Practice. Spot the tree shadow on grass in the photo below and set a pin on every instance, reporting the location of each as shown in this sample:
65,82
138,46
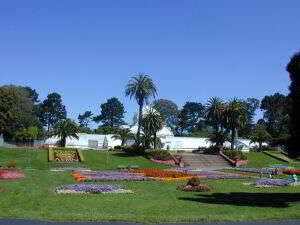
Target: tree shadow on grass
275,200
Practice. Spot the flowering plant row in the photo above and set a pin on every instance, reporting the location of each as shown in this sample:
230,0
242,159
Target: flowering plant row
292,172
92,189
162,173
255,170
271,182
219,175
108,176
5,175
70,169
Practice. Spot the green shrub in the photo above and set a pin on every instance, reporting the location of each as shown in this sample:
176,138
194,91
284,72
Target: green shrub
235,155
11,164
118,147
133,150
159,155
195,181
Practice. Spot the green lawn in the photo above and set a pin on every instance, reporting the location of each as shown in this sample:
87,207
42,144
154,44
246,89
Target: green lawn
260,160
34,198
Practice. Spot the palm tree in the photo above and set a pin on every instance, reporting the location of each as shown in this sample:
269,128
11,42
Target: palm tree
260,135
219,138
152,123
64,129
142,88
235,117
124,135
214,112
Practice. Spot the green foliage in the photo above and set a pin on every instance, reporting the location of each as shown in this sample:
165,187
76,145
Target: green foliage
260,135
214,112
64,129
168,110
142,88
219,138
124,135
235,117
12,164
112,113
27,134
106,130
151,124
133,150
276,116
158,154
190,117
85,119
17,109
52,111
294,111
235,155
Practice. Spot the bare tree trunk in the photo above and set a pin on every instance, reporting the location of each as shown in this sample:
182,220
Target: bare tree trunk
138,135
232,138
155,145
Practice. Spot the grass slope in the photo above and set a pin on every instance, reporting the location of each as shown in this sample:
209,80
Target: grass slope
33,197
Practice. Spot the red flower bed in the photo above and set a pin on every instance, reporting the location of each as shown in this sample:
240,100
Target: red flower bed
5,175
292,172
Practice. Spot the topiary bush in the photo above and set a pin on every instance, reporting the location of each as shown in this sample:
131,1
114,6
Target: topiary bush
158,154
194,185
235,155
133,150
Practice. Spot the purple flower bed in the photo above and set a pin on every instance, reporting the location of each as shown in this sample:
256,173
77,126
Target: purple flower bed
254,170
281,167
70,169
219,175
114,176
90,188
272,182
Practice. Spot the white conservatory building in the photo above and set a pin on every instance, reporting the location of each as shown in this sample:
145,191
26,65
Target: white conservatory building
168,140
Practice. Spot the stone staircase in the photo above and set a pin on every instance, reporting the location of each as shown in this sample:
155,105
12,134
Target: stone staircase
204,161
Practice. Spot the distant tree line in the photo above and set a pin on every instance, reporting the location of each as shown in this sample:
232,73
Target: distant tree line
24,117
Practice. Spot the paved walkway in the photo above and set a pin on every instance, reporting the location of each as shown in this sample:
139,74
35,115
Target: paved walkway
27,222
204,161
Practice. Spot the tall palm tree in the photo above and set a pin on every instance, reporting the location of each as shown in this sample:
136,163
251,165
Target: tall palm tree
124,135
214,112
235,116
142,88
152,123
64,129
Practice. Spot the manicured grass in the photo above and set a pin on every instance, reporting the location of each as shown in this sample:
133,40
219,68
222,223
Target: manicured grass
34,198
260,160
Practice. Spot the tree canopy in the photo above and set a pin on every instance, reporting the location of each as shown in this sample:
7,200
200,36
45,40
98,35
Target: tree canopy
112,113
52,111
293,68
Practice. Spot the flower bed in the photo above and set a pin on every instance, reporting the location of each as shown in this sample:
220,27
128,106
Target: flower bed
254,170
219,175
162,173
292,172
65,155
108,176
5,175
70,169
271,183
91,189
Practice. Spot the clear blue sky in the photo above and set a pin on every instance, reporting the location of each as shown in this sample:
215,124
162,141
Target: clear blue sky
87,50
